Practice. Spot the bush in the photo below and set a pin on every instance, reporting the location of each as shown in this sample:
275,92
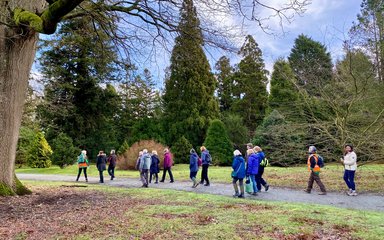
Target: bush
40,153
24,144
218,143
64,153
123,148
237,131
127,160
181,150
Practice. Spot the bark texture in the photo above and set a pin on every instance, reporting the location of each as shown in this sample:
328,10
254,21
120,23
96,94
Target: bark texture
17,52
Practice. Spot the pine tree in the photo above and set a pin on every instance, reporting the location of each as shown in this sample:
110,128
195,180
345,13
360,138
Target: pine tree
225,86
189,100
64,153
250,85
40,153
181,150
311,63
218,143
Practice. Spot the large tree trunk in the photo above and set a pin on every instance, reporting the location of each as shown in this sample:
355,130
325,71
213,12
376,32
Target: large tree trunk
17,52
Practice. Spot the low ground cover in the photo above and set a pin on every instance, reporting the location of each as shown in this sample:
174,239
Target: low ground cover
67,211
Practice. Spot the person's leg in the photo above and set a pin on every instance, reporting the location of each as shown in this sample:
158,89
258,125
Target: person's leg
352,180
78,174
146,173
206,176
346,179
109,171
157,177
203,172
234,182
254,184
258,181
85,174
113,172
150,177
310,183
163,177
142,178
170,175
321,185
101,176
241,188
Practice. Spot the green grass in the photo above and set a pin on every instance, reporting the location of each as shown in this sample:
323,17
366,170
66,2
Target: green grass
369,178
168,214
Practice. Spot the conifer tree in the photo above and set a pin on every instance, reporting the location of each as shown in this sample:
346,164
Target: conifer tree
250,85
189,100
225,85
181,150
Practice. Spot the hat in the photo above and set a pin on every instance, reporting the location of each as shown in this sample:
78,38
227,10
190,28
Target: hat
312,149
236,153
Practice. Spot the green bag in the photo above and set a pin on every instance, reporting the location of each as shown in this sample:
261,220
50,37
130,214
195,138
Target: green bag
264,162
248,186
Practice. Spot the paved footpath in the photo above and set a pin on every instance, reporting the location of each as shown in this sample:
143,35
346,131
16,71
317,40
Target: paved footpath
372,202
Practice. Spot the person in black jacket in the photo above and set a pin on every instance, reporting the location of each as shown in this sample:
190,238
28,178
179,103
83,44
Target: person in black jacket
101,165
154,169
112,164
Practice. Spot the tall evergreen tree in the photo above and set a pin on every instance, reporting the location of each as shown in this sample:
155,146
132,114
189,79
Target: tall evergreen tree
189,101
250,85
311,63
225,83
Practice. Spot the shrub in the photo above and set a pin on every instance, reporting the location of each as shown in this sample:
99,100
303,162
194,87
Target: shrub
218,143
127,160
123,148
24,144
181,150
237,131
64,153
40,153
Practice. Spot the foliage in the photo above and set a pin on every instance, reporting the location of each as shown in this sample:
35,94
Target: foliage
24,145
237,131
311,63
146,129
128,159
64,153
250,85
123,148
218,143
181,150
225,85
189,102
40,152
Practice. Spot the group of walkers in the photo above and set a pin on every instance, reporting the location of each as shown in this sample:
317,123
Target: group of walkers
250,168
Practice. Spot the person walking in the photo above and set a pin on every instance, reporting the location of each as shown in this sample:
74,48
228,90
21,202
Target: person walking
350,166
193,167
206,161
238,173
252,169
101,165
145,165
314,168
259,177
82,163
154,170
112,164
167,165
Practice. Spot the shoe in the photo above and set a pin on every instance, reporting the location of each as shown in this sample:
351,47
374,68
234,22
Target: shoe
197,184
307,191
101,182
77,180
111,178
254,194
156,182
201,182
353,193
322,193
241,196
236,195
349,192
171,181
86,180
146,185
266,187
162,181
207,184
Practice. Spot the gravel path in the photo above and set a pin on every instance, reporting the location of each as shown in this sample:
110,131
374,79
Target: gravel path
363,201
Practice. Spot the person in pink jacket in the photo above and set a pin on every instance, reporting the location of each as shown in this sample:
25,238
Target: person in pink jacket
167,165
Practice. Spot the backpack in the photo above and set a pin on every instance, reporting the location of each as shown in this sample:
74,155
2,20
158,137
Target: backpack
199,162
320,161
264,162
208,158
80,159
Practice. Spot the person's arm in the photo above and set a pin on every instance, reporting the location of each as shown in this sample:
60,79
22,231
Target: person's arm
351,159
313,161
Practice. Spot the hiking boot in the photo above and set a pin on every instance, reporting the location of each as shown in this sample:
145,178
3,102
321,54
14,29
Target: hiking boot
236,195
254,194
322,193
86,179
241,196
161,180
266,187
201,182
172,181
156,182
207,184
307,191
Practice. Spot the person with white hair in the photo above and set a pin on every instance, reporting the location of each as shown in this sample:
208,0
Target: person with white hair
154,170
238,173
145,165
314,168
82,163
112,164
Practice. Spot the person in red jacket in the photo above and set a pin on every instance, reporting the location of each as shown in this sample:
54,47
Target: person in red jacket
167,165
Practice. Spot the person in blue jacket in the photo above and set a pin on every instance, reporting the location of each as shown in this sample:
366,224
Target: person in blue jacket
259,177
193,167
252,169
238,174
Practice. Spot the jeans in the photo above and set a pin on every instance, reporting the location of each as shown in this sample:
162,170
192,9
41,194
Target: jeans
349,178
85,173
165,173
252,177
204,174
259,178
111,171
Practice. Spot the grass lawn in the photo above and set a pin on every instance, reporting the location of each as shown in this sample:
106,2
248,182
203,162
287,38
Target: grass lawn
100,212
369,178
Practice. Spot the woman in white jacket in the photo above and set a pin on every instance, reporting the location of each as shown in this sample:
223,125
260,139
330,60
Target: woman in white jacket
350,165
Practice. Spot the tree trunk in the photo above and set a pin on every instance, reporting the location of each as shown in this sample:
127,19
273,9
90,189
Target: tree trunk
17,52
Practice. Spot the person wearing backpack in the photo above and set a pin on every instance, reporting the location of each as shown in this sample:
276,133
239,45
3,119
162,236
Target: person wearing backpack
101,165
314,168
238,173
206,161
350,166
252,170
145,165
154,167
82,163
263,163
193,167
112,164
167,165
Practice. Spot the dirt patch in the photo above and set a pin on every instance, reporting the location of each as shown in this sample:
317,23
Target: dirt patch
305,220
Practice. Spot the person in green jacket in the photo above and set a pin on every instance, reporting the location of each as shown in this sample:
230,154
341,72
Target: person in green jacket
82,163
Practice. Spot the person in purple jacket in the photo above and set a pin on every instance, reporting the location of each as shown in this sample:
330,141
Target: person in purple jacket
167,165
252,169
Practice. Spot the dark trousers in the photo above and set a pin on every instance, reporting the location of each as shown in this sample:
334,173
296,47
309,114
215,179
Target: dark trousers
241,185
192,175
101,176
204,174
259,178
154,174
85,174
144,176
111,171
315,178
165,172
349,178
